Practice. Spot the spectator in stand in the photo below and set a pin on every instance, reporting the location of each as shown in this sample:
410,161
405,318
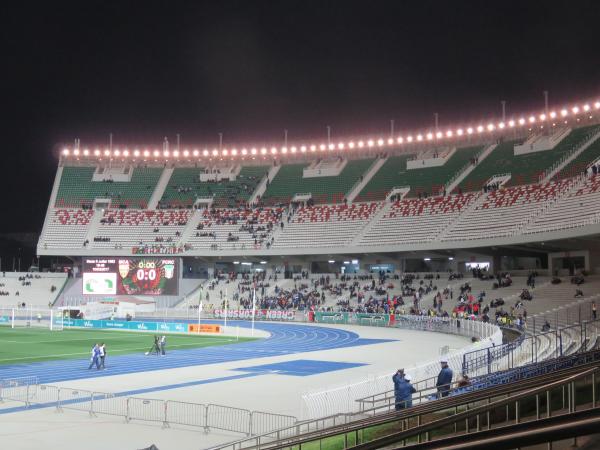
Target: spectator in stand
464,381
444,379
403,390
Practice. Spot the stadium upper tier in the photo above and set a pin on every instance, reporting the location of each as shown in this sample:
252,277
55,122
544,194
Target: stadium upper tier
551,210
507,185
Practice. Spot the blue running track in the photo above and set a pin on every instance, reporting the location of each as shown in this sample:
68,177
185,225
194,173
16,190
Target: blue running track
285,339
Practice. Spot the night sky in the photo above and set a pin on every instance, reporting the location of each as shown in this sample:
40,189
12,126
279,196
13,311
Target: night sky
144,70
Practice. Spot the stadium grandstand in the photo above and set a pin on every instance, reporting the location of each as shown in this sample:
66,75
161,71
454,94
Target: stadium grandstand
465,187
299,269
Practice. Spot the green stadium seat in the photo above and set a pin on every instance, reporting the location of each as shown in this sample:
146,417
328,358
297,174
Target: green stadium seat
524,169
431,180
185,187
77,189
330,189
580,163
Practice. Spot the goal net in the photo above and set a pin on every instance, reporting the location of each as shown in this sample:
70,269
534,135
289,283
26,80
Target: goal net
32,317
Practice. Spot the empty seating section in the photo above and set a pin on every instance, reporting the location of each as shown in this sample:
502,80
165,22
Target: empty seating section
331,189
387,177
432,180
499,161
227,229
502,212
66,228
36,292
525,169
325,225
415,221
429,180
580,207
581,162
547,296
77,188
185,187
130,228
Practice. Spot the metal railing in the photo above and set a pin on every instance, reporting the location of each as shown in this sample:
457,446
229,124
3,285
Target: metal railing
471,411
384,402
166,412
342,398
504,363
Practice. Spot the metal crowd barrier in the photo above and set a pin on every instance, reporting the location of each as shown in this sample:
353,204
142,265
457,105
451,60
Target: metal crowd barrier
16,389
206,417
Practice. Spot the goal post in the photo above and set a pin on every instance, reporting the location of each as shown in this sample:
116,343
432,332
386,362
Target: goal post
56,320
32,318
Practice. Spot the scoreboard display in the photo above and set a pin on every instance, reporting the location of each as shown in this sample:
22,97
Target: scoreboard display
130,276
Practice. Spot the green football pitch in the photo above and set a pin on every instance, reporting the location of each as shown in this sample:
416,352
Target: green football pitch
25,345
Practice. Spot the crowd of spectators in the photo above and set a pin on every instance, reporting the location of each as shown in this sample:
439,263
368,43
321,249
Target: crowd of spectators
258,223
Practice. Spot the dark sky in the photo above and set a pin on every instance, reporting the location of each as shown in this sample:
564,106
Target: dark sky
146,69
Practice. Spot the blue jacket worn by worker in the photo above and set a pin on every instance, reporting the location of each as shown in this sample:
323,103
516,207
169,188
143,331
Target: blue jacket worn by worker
95,359
444,380
403,391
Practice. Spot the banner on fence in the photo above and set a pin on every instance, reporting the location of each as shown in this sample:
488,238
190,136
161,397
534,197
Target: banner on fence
131,325
260,314
203,328
354,318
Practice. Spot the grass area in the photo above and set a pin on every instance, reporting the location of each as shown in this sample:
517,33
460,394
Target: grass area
26,345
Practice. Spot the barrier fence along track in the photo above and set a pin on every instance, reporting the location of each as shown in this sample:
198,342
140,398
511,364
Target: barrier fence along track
206,417
16,389
342,399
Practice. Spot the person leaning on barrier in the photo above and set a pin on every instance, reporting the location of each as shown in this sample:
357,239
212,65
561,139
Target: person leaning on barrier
444,379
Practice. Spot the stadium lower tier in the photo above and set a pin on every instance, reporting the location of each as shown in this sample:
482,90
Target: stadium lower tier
515,213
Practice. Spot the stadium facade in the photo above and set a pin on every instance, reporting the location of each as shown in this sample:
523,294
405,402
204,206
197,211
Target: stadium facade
520,193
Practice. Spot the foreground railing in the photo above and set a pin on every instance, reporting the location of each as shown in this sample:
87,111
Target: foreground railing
342,398
467,411
204,417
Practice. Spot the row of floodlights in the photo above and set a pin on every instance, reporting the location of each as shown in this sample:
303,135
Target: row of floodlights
370,143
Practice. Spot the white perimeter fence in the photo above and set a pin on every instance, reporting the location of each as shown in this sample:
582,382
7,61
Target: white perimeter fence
205,417
343,398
